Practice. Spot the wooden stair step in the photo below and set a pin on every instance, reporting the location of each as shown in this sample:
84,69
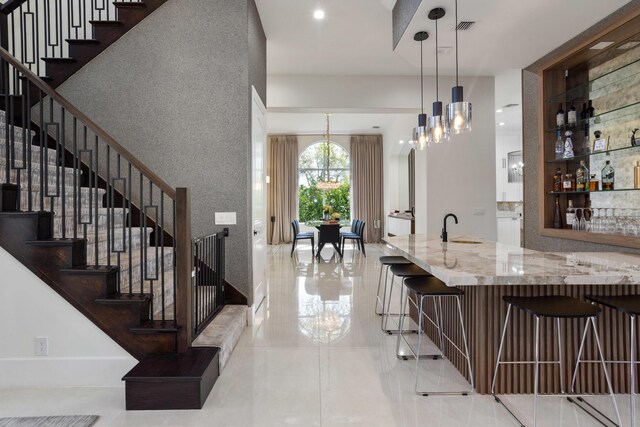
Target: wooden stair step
107,23
120,299
129,5
82,41
155,327
179,381
59,60
90,270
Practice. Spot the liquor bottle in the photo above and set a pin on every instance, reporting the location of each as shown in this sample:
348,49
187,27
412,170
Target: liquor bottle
590,110
560,116
608,176
594,184
559,146
557,217
572,115
557,181
583,112
568,184
571,215
582,177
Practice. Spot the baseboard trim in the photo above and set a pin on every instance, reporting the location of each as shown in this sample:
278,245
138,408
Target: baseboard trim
64,371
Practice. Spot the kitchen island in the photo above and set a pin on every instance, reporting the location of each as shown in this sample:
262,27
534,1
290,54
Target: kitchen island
487,271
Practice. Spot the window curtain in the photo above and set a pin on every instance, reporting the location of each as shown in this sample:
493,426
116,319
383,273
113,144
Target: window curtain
282,202
366,178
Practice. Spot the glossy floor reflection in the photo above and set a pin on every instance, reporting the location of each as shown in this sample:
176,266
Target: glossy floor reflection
316,357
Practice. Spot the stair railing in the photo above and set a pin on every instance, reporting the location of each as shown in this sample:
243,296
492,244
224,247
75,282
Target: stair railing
59,160
208,279
33,29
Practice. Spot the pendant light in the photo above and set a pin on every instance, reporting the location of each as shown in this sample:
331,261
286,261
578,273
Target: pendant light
421,132
438,126
459,111
325,183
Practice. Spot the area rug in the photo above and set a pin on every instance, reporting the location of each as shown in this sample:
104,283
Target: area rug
56,421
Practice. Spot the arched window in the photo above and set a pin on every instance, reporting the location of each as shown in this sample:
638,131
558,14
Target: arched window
316,162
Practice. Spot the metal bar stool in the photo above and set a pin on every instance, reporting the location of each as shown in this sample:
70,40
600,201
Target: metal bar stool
629,305
387,262
557,308
432,287
403,271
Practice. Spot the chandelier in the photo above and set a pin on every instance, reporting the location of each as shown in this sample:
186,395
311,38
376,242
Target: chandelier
325,183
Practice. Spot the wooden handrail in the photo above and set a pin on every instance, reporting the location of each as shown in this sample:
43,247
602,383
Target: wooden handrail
11,5
97,130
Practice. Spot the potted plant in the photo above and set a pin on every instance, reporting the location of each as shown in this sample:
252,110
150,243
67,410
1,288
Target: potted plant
327,210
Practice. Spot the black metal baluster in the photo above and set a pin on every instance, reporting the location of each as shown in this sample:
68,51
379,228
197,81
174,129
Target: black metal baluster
109,206
143,227
62,144
161,242
196,291
173,244
97,219
129,232
76,168
43,168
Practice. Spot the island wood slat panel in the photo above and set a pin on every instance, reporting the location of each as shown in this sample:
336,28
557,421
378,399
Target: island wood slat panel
484,312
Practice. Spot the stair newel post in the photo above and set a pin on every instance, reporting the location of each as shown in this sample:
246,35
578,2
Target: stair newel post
184,267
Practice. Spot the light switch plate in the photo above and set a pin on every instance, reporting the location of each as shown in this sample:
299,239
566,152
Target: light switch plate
225,218
479,211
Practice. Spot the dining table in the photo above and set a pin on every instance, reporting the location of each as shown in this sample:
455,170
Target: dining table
328,233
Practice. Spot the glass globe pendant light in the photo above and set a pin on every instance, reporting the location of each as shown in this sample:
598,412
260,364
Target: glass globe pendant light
421,132
438,125
459,111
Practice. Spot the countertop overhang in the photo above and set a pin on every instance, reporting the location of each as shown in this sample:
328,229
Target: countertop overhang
489,263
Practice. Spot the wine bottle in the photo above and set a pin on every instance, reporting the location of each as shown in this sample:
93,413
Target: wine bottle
590,110
559,146
560,116
557,181
571,214
557,217
572,115
582,177
583,112
608,176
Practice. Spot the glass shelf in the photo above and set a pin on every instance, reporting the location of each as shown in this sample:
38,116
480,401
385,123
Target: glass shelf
631,110
555,193
586,156
581,92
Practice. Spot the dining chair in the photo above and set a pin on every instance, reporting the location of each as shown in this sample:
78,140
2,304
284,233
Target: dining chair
357,236
298,235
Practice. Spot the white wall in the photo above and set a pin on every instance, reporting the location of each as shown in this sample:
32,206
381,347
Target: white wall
80,354
458,176
507,191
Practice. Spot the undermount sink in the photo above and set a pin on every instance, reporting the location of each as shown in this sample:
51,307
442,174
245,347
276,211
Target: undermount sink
468,242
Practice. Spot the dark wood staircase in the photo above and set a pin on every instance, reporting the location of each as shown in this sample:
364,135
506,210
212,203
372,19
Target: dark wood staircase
170,373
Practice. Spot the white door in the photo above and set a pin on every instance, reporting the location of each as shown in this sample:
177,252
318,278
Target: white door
259,200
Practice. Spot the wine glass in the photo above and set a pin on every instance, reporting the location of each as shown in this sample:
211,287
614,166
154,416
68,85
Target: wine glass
576,219
584,223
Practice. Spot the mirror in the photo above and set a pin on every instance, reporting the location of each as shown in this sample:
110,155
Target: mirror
406,182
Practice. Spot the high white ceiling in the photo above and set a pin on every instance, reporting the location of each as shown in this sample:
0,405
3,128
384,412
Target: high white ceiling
355,37
301,123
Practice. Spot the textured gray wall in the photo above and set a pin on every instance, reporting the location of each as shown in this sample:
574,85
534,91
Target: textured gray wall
175,91
402,14
530,81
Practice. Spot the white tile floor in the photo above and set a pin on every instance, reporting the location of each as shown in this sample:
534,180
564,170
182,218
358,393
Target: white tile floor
317,358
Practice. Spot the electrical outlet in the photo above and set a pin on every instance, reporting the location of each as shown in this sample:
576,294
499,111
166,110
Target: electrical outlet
479,211
42,346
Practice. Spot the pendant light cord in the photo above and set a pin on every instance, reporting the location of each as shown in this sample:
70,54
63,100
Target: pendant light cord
457,83
437,95
421,81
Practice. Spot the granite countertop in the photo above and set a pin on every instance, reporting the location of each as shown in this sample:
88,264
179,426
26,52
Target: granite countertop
491,263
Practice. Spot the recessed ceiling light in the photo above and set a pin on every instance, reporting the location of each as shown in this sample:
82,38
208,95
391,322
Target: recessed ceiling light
318,14
499,110
501,124
376,127
401,142
601,45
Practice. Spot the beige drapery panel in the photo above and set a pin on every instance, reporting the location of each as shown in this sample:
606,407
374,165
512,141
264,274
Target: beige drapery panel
282,198
366,178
